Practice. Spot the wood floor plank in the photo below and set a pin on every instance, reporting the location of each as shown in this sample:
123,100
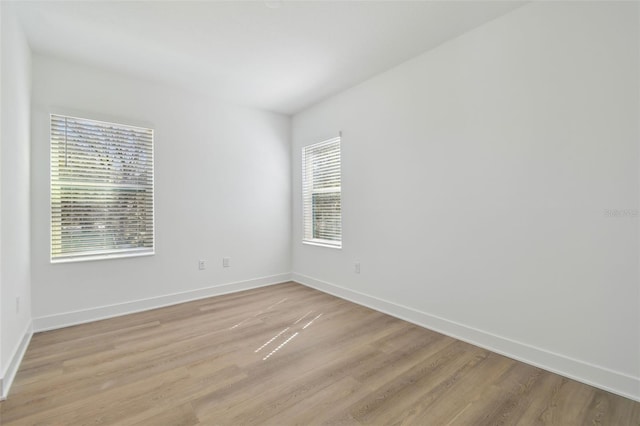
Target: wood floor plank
389,401
286,355
181,415
443,408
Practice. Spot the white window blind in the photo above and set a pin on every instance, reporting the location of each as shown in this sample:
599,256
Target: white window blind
101,190
321,193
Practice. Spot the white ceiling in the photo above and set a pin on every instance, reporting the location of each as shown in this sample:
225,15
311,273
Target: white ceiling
277,55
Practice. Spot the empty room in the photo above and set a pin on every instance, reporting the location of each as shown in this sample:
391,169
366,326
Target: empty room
319,212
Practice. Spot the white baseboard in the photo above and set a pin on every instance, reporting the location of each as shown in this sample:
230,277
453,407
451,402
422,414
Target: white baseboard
14,363
603,378
67,319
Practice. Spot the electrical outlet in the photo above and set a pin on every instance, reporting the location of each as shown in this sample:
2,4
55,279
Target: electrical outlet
201,265
356,267
226,262
17,305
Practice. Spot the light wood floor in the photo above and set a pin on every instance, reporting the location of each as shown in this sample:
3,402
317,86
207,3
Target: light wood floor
285,355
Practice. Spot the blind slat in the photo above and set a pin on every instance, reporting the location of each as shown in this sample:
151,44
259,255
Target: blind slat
321,186
101,189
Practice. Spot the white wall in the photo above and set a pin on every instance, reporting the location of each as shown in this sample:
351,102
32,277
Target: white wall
1,139
476,183
222,188
14,195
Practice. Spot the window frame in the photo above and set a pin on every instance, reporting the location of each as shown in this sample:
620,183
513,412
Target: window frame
308,220
97,253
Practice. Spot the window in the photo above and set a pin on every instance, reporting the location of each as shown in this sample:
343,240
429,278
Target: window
101,190
321,193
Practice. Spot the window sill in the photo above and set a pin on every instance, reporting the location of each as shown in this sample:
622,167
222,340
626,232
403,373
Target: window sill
101,257
323,243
